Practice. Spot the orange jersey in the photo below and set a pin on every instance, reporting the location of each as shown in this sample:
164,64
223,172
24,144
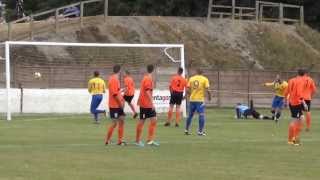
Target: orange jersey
114,90
178,83
129,85
310,88
295,90
146,85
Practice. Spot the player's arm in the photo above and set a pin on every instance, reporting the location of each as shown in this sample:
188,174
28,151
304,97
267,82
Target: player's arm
117,98
149,96
269,84
207,86
208,94
89,87
116,95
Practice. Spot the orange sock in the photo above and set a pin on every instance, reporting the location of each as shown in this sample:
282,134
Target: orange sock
298,128
290,132
139,130
308,119
120,131
152,129
109,133
169,115
178,115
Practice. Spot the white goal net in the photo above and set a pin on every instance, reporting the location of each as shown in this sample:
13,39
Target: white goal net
51,77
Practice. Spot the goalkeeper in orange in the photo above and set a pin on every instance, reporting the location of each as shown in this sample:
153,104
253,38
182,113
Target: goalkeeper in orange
279,86
177,86
96,87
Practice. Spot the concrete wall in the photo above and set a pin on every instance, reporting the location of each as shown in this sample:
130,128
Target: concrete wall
66,100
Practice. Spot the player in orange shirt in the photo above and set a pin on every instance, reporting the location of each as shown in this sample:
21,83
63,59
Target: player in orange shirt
129,92
310,90
147,109
115,107
177,86
294,94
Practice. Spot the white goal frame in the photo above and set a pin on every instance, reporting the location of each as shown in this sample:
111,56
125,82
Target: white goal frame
7,58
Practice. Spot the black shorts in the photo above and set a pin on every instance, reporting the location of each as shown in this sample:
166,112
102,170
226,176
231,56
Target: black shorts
128,98
176,98
146,113
308,102
115,113
296,111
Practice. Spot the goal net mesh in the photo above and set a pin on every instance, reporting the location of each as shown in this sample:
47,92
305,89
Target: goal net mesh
67,69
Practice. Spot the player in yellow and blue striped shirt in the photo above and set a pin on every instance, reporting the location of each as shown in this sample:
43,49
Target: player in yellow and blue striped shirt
96,87
279,86
198,85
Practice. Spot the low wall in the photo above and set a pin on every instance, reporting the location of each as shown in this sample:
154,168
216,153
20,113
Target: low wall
66,100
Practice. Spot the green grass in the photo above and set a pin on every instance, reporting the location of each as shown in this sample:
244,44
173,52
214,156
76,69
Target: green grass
71,147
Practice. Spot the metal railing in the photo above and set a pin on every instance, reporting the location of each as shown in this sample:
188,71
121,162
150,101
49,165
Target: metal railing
57,16
256,12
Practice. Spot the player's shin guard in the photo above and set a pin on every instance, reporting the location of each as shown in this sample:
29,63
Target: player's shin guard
178,115
109,133
290,131
201,122
308,120
139,130
152,130
189,121
120,131
278,115
170,112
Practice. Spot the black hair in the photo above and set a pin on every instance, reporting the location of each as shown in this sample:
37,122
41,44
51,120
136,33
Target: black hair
150,68
180,70
199,71
96,74
301,72
116,68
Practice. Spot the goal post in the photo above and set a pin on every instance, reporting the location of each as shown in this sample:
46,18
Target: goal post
176,57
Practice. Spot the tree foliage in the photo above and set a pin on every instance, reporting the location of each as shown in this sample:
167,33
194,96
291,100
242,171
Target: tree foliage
161,7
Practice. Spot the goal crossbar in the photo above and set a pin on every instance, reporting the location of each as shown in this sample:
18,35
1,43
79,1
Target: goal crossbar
65,44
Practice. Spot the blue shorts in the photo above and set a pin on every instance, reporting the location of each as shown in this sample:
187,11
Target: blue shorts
277,102
196,107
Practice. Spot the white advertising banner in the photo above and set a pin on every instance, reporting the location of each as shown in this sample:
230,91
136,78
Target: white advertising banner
67,101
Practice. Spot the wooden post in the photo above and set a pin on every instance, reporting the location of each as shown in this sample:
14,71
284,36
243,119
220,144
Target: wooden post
248,85
233,8
106,9
21,97
209,10
281,13
218,88
301,15
9,30
56,20
81,14
240,13
31,27
257,10
261,13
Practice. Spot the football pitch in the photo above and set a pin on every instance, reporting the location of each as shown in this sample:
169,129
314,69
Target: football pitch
71,147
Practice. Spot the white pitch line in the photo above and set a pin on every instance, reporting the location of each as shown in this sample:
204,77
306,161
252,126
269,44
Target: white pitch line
131,144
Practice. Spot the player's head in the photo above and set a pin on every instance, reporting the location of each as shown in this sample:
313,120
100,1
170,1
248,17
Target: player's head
150,68
127,72
116,69
278,78
180,70
199,71
301,72
96,74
